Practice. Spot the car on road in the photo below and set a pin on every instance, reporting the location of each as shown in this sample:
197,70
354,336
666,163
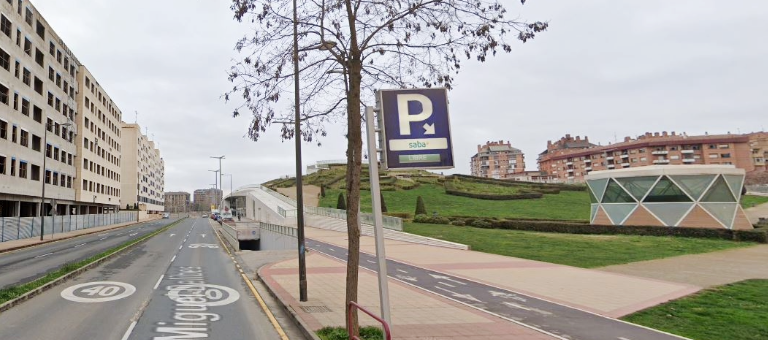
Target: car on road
166,215
204,216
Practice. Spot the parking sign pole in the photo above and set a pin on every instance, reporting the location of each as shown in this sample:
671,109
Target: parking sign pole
378,228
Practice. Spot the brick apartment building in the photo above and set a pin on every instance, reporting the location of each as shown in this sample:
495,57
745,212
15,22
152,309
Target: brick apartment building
570,159
205,198
176,201
497,160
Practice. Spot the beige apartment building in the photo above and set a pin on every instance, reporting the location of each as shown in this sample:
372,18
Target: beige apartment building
758,142
142,170
205,198
570,159
37,109
497,160
98,145
176,201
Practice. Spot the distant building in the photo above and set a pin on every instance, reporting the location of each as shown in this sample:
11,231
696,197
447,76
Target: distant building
532,176
758,142
569,159
176,201
143,170
205,198
497,160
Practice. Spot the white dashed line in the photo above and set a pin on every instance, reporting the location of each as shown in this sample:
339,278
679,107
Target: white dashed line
402,271
179,247
174,257
158,281
80,245
102,239
129,330
44,255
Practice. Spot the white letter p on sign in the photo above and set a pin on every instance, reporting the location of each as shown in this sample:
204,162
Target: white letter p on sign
402,109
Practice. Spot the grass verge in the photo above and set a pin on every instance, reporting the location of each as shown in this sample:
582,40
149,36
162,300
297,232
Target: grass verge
586,251
749,201
340,333
735,312
14,292
567,205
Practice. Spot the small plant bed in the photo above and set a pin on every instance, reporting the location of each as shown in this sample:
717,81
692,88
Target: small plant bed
735,312
749,201
586,251
489,191
340,333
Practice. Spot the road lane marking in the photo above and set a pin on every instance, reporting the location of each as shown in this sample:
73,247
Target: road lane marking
402,271
98,291
447,278
44,255
180,247
129,330
173,258
79,245
158,281
264,307
103,238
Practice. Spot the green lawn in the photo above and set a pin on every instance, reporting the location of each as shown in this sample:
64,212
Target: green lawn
586,251
734,312
748,201
568,205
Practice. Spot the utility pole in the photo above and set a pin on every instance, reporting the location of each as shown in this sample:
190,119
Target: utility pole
297,137
220,184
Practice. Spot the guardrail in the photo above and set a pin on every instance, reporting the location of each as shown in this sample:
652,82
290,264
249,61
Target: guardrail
287,213
16,228
278,195
280,229
353,305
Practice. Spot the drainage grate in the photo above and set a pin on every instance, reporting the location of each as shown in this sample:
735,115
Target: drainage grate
316,309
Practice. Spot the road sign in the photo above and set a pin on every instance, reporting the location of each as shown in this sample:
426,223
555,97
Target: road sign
416,129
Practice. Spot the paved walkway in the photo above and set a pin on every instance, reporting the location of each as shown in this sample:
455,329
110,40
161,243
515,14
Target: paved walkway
703,270
421,314
33,241
756,212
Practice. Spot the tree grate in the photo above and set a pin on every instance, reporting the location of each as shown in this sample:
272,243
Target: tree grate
316,309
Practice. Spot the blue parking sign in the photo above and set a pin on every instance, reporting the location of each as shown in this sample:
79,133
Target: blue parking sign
416,129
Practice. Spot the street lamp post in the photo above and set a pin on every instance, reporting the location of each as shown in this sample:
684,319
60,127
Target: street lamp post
220,184
42,194
297,137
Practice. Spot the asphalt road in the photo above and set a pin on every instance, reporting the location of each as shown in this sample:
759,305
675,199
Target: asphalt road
559,320
27,264
177,285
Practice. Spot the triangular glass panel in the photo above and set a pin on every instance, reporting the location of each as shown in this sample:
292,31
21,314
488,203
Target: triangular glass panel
598,187
593,212
694,185
592,198
638,186
723,212
614,193
669,213
666,191
719,192
619,212
735,182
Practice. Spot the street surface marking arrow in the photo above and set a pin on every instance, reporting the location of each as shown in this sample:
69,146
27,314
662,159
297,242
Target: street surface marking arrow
172,235
429,129
506,295
443,277
203,235
514,305
402,271
407,278
447,284
457,295
134,234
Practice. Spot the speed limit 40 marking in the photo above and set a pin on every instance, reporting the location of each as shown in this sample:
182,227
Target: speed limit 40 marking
98,291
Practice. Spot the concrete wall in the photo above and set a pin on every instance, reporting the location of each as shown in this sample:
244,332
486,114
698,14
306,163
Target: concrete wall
258,211
274,241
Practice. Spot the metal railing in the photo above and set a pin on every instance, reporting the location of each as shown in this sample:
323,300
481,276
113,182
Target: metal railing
390,222
276,228
16,228
353,305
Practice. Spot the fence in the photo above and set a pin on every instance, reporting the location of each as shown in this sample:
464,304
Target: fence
280,229
16,228
758,188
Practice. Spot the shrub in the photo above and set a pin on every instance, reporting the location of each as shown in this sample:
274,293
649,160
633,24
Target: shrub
420,208
340,333
341,203
421,218
400,215
459,223
481,224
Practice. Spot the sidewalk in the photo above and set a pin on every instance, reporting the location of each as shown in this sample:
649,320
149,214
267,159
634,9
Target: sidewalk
8,246
420,314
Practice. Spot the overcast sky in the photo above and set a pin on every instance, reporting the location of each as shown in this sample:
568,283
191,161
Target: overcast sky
605,69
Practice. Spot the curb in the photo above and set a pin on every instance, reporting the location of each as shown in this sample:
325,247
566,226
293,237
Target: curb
309,334
28,295
7,250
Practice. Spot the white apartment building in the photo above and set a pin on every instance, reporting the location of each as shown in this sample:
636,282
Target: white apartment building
37,90
98,145
143,170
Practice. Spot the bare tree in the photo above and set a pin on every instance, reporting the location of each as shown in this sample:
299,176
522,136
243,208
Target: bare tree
350,49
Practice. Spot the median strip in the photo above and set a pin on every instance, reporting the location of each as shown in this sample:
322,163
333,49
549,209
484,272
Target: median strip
12,296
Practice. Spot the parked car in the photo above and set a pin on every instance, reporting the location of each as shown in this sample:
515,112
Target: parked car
204,216
166,215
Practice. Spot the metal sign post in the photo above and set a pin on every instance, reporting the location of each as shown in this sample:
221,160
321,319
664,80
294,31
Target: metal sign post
378,227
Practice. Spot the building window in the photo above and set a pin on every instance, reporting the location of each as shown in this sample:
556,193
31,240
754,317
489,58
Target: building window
55,178
723,146
35,173
3,129
13,134
725,155
22,169
38,86
40,30
24,140
5,60
13,167
713,155
52,49
26,77
4,94
36,143
48,149
39,57
6,26
2,165
28,17
27,47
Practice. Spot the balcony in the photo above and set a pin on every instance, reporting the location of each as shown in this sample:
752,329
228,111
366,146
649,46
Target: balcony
587,161
589,168
686,151
661,161
611,166
624,156
609,158
625,164
570,170
568,163
660,152
688,160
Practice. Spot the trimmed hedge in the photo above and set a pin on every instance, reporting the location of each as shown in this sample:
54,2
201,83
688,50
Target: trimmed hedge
545,186
451,190
758,235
